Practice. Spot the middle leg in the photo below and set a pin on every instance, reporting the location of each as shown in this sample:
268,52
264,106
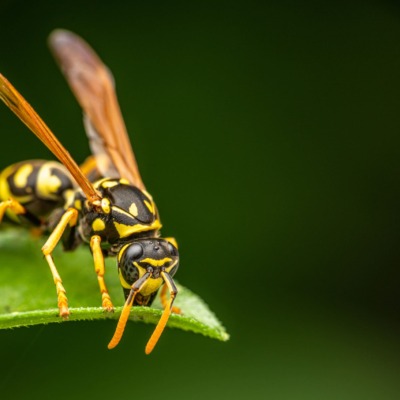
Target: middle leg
98,259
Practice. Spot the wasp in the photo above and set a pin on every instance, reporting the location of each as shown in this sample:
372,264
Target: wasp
103,203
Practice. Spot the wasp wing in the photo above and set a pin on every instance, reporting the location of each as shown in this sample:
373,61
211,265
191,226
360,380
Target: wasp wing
23,110
93,86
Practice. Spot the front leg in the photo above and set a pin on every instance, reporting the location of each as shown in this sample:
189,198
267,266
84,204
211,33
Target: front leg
98,259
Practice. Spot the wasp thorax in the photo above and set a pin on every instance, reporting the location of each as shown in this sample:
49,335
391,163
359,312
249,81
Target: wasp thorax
124,213
147,255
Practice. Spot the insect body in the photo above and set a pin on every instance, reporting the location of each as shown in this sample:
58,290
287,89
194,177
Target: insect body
39,186
114,215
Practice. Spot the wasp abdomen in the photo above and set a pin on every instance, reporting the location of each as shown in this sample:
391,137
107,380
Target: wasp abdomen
39,186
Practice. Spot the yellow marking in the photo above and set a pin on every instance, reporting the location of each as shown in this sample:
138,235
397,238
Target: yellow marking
5,193
121,211
122,251
168,269
105,205
98,183
150,206
47,184
98,225
109,184
22,175
172,241
133,210
48,187
126,230
69,197
124,181
151,286
156,263
147,194
124,283
78,204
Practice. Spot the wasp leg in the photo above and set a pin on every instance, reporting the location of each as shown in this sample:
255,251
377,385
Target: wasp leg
68,218
164,301
100,270
165,315
123,318
13,205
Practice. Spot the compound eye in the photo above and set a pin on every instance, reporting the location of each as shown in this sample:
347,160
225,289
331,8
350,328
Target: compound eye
134,252
172,249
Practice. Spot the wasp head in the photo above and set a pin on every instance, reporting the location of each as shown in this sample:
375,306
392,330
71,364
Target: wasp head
152,257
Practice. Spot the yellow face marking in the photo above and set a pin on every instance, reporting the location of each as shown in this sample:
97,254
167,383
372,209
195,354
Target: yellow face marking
151,286
168,269
133,210
156,263
124,283
124,181
141,271
122,251
150,206
22,175
126,230
98,225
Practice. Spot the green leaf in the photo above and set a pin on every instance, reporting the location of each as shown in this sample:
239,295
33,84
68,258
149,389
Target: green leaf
28,297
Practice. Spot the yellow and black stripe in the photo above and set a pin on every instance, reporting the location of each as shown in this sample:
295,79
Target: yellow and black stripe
39,186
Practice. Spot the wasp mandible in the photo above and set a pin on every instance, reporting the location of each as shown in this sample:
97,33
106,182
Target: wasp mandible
103,203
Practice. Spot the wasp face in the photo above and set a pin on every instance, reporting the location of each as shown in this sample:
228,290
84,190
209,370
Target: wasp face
147,256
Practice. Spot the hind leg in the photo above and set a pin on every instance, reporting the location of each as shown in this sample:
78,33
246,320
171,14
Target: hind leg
13,205
68,218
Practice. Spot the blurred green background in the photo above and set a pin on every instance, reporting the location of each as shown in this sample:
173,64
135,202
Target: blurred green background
268,133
